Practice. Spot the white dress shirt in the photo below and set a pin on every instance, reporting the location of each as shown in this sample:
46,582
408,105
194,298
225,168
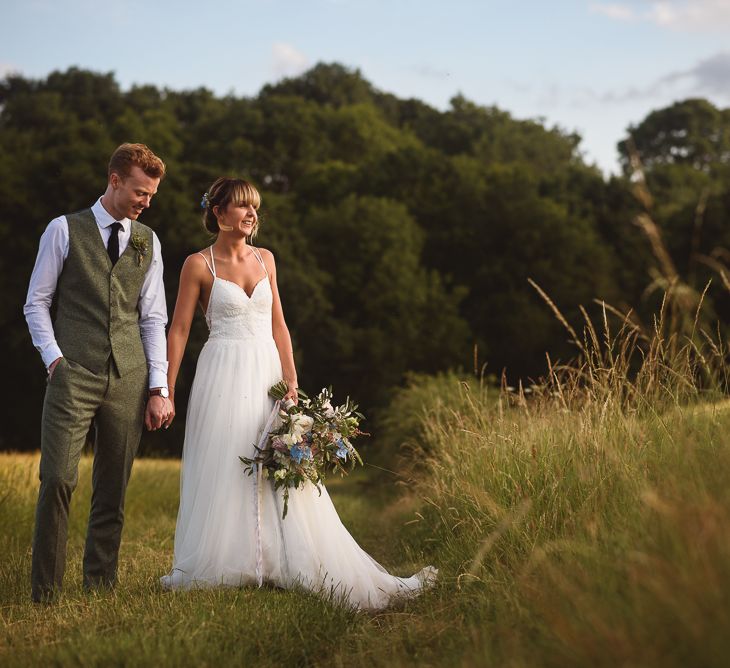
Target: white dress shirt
52,253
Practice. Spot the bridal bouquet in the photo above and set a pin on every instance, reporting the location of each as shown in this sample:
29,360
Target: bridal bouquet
309,442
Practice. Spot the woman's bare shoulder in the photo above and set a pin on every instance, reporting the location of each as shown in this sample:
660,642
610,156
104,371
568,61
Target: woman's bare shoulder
268,257
266,254
197,262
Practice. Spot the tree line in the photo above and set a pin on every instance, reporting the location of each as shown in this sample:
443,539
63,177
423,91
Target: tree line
404,235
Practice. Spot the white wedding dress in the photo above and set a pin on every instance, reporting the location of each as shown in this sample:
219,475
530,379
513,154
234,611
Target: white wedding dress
217,528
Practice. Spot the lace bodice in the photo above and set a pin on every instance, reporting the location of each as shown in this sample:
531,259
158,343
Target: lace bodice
234,315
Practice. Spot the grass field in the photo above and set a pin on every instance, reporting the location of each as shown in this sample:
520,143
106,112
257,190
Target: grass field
595,535
138,624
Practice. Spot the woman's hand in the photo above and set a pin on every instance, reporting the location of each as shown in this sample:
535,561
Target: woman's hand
292,394
171,414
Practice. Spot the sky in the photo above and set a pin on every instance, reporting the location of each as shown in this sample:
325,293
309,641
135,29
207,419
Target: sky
587,66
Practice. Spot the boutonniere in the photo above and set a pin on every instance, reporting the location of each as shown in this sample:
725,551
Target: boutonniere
139,243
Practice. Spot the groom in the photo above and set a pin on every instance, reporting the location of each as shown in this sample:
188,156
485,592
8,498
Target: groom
106,358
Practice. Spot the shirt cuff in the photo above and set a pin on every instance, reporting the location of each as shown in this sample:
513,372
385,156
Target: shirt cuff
50,354
157,379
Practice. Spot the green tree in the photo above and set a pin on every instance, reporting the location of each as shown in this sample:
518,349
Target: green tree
403,234
692,132
391,315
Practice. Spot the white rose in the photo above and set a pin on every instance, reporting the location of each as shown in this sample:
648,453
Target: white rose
300,424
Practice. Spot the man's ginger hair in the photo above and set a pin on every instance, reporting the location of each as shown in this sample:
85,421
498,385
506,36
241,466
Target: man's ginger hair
128,155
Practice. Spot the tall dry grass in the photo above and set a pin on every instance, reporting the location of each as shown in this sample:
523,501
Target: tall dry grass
585,520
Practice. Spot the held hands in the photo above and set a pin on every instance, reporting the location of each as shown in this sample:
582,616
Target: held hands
159,412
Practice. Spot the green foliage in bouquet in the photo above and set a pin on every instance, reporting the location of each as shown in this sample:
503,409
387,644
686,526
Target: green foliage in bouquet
309,441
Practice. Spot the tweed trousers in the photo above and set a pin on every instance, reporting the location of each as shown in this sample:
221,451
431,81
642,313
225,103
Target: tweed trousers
75,399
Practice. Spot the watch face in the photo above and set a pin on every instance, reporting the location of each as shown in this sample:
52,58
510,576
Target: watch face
164,392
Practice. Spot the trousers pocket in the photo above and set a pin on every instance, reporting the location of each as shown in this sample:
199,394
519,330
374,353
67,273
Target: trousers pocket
60,365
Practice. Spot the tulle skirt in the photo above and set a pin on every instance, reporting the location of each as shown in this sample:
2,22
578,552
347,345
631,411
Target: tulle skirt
216,533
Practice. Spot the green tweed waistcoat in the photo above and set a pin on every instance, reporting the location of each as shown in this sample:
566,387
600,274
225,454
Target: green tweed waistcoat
97,316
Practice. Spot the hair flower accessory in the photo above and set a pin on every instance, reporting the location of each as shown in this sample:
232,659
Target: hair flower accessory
139,243
205,201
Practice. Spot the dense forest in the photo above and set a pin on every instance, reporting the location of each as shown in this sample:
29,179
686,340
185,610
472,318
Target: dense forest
404,235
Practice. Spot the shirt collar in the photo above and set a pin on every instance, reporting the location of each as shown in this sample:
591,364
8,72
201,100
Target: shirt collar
104,219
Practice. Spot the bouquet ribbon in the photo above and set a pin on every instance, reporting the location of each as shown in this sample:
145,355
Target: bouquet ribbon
257,485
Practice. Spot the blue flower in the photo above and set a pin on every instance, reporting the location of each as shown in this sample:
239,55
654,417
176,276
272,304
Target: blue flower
342,450
299,452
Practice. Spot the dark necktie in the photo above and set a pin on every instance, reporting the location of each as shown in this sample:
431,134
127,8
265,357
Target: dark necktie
112,246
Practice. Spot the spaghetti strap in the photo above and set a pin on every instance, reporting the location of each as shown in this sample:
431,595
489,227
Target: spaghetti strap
208,264
260,259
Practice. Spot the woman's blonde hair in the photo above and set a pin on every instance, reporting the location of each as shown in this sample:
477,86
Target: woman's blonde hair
225,191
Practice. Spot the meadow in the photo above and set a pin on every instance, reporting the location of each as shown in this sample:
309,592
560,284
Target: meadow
582,522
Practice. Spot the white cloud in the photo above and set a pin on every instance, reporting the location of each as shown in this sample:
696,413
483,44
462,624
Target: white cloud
614,11
288,60
699,14
676,14
708,78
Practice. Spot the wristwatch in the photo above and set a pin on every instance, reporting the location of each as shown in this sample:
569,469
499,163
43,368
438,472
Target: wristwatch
159,392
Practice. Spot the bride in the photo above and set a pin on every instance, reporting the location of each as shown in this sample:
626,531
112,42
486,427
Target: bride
248,350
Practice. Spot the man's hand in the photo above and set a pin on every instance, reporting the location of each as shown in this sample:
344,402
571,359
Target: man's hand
156,413
52,366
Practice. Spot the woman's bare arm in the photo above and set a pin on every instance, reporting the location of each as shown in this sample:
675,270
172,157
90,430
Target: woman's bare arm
282,338
191,280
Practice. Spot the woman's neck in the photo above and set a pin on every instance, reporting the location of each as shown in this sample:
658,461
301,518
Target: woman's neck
228,247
